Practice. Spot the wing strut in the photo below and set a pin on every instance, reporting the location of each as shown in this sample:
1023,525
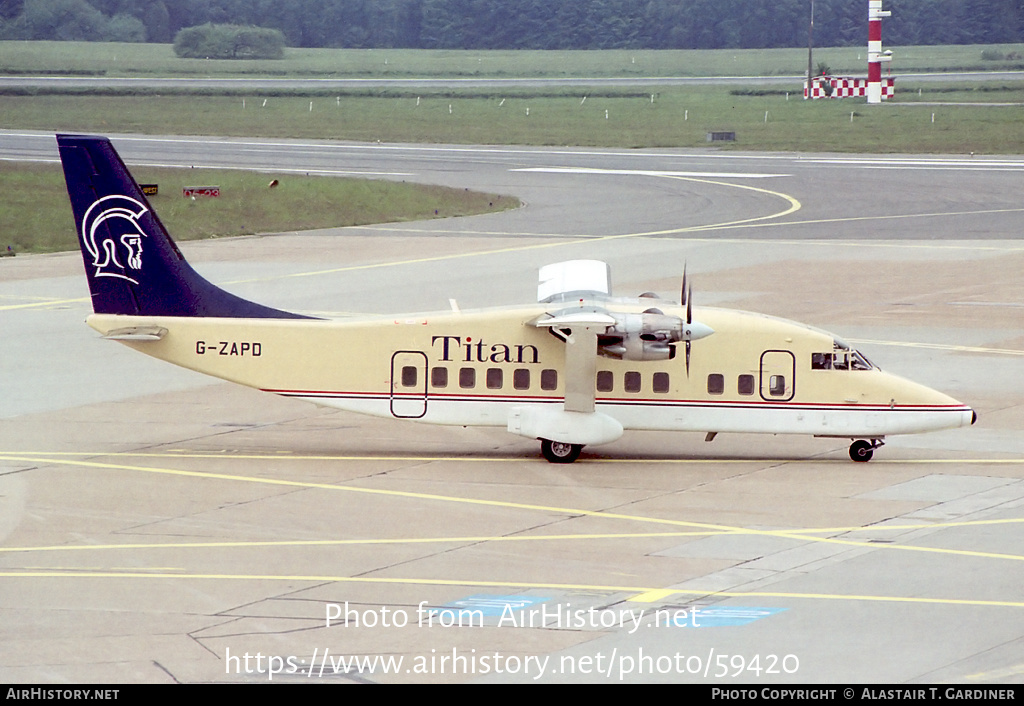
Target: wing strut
564,430
580,369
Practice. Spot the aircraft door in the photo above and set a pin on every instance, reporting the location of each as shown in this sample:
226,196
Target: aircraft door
778,376
409,384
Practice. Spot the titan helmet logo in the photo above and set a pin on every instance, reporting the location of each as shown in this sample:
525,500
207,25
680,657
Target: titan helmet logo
116,248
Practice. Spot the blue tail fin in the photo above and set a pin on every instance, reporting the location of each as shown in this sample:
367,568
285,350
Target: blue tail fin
131,262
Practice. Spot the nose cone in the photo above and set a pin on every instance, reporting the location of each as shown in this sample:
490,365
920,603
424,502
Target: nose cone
920,408
695,330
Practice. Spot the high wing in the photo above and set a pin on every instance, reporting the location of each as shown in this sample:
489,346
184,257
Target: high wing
593,324
580,294
579,325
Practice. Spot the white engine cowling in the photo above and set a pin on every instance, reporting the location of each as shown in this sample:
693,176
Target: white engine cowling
646,336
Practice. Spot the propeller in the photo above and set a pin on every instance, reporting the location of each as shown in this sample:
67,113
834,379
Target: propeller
691,330
683,296
689,318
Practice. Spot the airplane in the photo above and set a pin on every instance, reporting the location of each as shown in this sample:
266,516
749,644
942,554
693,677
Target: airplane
577,367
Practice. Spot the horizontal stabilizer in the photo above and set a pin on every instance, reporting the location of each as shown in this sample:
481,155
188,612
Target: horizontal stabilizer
137,333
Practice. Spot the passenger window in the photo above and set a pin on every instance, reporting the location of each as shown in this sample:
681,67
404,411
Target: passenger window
439,377
661,382
632,382
467,377
521,379
549,379
494,378
409,376
716,384
745,385
605,381
777,385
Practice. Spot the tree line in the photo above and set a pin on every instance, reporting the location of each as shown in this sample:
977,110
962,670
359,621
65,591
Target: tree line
525,24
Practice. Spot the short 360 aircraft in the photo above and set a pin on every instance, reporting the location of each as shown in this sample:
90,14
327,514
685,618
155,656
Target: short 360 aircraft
576,368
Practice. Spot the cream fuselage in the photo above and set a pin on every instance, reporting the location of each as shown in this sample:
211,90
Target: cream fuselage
754,374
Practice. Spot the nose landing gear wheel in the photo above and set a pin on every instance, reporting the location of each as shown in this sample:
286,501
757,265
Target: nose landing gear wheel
862,451
560,452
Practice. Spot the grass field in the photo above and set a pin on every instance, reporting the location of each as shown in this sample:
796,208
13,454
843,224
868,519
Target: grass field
626,117
35,215
925,117
111,59
677,117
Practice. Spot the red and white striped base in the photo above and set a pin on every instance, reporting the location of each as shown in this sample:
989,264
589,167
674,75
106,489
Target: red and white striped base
846,87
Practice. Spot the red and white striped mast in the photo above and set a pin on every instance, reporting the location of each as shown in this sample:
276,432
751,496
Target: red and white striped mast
875,56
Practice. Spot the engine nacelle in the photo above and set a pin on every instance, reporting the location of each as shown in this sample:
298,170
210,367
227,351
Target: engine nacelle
646,336
635,348
650,335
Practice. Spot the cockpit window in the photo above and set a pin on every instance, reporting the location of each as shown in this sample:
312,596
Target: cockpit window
842,357
859,362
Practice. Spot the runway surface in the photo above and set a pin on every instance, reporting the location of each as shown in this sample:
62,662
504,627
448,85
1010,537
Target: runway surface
159,526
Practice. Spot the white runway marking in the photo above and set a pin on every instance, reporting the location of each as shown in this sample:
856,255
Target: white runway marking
648,172
965,164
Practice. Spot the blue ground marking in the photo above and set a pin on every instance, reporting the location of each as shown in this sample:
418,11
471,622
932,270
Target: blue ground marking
491,606
724,616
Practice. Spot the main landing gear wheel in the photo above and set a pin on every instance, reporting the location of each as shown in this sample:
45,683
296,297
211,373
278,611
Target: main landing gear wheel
862,450
560,452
